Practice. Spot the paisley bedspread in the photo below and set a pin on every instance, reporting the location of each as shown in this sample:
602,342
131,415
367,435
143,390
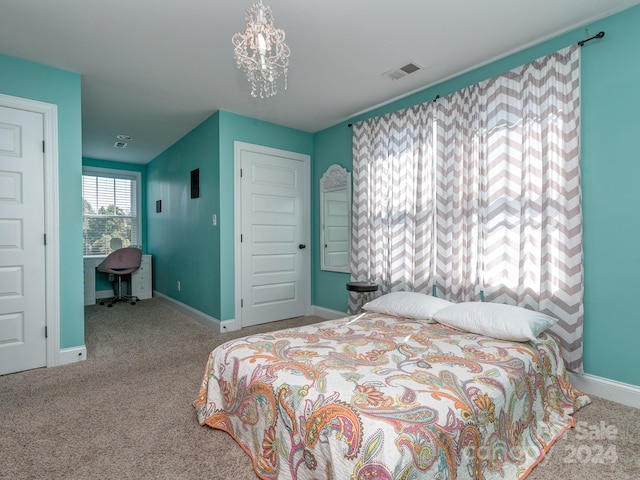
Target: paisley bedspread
380,397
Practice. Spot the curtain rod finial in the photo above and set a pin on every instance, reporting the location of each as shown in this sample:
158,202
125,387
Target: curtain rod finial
597,35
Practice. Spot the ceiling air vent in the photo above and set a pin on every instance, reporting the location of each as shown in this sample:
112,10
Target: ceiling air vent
398,73
120,144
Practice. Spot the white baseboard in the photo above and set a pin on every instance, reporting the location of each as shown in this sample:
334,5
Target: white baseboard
222,326
104,294
327,313
228,325
618,392
72,355
200,317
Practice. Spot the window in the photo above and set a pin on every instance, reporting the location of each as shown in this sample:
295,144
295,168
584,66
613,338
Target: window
110,209
481,192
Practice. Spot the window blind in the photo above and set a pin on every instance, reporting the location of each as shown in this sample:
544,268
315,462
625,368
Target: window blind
109,211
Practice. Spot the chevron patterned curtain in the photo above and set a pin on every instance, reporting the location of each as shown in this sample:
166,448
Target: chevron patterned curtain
477,196
393,203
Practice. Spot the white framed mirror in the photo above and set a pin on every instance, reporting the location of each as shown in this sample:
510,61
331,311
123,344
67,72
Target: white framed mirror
335,219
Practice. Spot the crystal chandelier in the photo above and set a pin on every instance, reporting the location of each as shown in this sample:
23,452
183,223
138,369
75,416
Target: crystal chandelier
261,52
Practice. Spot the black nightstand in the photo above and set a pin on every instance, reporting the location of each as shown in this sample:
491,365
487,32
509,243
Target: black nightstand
364,290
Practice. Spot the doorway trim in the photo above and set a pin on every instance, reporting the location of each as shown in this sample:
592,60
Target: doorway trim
238,147
49,114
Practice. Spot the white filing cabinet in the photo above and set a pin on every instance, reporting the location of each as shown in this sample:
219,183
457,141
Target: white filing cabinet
90,264
140,279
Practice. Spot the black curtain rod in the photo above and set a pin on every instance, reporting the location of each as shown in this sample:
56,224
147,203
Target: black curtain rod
351,124
580,43
597,35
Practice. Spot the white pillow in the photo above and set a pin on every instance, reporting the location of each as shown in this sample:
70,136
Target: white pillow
496,320
407,304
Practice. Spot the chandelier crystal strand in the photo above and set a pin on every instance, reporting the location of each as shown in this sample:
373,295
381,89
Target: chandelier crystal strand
261,52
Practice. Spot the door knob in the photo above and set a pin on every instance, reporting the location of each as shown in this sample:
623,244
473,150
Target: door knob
301,246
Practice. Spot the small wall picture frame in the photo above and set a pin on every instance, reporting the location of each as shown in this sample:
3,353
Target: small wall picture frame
195,183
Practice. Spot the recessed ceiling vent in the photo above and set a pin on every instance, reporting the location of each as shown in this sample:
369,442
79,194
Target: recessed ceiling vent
398,73
120,144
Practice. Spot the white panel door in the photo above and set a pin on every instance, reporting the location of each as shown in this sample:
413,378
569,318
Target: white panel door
274,229
22,251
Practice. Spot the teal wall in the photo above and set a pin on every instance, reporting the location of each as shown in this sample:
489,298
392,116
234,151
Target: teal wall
330,146
33,81
185,245
102,280
610,174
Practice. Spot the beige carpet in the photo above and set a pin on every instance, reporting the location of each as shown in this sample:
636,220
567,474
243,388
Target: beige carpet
126,413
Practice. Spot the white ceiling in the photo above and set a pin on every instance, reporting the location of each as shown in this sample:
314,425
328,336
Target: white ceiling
155,69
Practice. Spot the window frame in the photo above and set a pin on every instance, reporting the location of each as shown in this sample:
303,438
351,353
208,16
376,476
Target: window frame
125,175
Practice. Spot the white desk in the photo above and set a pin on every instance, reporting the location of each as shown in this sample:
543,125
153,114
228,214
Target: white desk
140,279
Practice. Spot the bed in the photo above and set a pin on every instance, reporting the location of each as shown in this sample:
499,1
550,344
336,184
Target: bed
379,396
